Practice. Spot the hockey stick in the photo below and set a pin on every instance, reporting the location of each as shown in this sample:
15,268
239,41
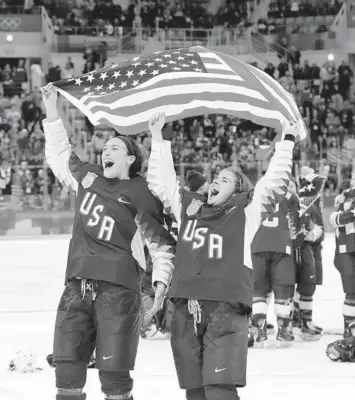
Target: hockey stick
332,332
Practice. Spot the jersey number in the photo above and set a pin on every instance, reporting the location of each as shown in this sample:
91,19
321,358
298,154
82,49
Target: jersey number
105,223
274,221
198,238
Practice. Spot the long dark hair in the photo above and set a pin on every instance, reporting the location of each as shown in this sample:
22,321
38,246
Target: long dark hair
133,150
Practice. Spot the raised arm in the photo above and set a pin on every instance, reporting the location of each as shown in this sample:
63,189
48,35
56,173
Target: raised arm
161,177
64,163
273,185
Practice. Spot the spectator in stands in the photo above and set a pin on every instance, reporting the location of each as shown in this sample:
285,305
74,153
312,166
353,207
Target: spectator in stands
270,69
54,73
345,79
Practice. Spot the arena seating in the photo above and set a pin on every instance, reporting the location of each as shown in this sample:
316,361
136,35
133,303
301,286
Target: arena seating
322,93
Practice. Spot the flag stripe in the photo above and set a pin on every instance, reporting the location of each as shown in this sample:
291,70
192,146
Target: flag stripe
245,110
166,101
178,77
194,89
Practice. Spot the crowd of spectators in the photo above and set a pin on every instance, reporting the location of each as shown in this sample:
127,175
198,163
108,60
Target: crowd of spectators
206,143
323,94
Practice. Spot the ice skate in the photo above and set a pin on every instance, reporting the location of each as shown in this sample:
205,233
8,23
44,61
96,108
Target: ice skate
260,341
283,338
309,332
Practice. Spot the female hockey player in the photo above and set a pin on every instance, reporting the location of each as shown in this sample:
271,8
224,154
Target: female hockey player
115,216
212,285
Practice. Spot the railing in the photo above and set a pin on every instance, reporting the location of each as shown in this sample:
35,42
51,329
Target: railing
20,10
49,208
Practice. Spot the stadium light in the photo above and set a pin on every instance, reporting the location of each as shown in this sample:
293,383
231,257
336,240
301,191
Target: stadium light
9,38
330,57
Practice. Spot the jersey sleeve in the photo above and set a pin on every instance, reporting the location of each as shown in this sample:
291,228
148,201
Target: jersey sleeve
272,187
341,218
65,164
161,245
162,180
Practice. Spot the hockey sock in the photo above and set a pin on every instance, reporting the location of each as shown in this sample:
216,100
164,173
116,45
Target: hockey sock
349,313
196,394
70,394
259,310
221,392
125,396
306,302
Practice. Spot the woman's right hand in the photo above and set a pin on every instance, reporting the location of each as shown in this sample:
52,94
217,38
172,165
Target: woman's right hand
156,123
49,95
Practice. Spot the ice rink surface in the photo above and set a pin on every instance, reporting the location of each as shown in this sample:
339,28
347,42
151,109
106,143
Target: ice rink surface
32,274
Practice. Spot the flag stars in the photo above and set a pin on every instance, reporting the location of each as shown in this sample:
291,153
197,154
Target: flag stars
158,59
142,72
86,90
193,62
198,69
162,65
90,78
113,66
123,84
136,64
98,88
171,62
116,74
167,56
136,58
103,76
111,86
155,72
149,64
181,58
129,74
176,68
189,55
135,83
78,81
185,65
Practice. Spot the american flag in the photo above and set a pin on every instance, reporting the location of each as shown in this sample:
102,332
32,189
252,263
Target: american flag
181,83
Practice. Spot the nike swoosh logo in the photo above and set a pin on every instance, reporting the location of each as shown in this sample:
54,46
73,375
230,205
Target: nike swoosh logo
219,370
231,209
106,358
123,201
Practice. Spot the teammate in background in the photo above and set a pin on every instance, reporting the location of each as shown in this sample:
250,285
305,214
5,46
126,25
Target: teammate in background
343,220
273,268
116,216
212,285
309,269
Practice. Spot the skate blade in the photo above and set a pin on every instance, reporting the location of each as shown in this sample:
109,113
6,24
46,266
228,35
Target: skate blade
261,345
310,338
282,344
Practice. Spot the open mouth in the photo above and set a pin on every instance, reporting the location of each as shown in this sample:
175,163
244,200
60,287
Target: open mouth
214,191
108,164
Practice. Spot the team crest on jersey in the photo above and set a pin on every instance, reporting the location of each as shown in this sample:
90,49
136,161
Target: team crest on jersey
193,207
88,180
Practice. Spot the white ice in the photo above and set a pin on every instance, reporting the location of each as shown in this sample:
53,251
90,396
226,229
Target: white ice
31,281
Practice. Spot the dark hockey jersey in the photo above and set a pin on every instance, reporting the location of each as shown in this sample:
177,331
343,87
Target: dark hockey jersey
113,222
343,220
213,258
275,232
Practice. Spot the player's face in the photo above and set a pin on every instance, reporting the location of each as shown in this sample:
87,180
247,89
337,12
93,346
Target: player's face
115,159
222,188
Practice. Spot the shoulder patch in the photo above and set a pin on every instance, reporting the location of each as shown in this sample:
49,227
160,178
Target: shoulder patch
193,208
88,180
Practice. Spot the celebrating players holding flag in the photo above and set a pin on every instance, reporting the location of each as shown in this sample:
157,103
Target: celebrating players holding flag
116,216
212,285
